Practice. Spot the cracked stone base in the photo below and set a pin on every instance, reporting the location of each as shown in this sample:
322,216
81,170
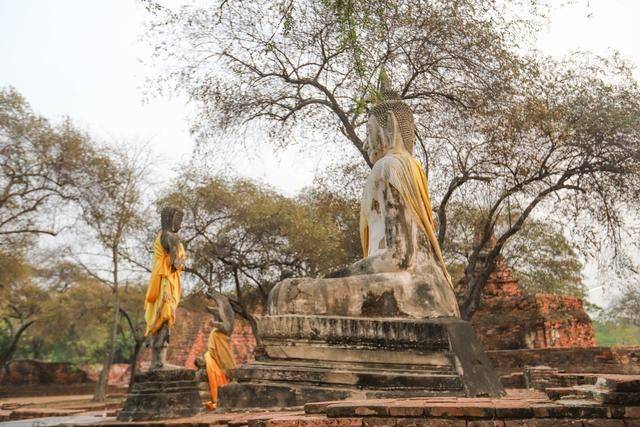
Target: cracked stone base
320,358
162,394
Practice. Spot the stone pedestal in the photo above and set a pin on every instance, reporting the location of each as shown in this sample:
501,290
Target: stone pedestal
162,394
320,358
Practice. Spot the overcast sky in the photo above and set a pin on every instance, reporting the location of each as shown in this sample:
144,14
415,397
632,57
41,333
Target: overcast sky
83,59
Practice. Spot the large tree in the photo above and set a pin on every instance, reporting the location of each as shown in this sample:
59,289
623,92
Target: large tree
40,163
21,303
302,64
540,255
516,135
242,238
111,207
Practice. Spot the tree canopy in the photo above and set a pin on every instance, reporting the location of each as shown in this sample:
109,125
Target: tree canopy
502,128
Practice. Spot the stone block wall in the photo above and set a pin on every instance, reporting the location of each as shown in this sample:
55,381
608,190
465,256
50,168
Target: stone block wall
603,360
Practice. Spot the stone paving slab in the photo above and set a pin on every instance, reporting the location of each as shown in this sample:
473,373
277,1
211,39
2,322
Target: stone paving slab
512,411
54,421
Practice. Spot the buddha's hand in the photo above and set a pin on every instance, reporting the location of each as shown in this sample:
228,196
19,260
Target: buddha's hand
364,266
178,265
341,272
199,362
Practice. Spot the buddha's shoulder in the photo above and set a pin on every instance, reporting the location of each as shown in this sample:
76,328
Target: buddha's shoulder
386,164
388,161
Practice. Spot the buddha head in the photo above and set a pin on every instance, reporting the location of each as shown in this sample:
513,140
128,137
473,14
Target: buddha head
171,219
390,125
221,311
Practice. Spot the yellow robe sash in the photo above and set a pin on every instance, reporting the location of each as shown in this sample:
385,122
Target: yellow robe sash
219,363
407,176
164,292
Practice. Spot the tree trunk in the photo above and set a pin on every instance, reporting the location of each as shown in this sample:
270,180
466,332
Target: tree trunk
476,283
133,367
242,311
101,388
13,346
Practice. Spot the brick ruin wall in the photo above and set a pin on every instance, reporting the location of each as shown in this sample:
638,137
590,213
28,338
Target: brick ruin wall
602,360
508,318
190,335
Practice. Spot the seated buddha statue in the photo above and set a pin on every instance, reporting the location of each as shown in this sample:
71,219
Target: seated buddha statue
402,273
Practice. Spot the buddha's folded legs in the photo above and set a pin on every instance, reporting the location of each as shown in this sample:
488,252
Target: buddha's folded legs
398,294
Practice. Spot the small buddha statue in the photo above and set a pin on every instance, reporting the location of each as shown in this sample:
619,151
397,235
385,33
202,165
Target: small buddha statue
403,273
164,291
218,362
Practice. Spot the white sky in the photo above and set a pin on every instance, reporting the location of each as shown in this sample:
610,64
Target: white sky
82,59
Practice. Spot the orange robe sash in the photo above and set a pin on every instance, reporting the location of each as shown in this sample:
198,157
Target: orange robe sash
219,364
164,291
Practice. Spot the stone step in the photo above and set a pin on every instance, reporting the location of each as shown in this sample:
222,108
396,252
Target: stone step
163,386
600,392
557,393
364,366
292,395
397,333
621,383
356,378
617,397
332,353
572,379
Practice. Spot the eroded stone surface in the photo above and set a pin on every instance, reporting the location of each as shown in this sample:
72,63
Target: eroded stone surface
162,394
314,358
398,294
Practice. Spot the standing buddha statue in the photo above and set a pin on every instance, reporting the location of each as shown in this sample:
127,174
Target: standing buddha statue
164,292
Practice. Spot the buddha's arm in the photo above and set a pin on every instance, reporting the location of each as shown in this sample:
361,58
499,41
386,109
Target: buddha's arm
171,244
221,326
399,241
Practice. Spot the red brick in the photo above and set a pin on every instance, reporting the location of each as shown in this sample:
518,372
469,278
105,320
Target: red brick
378,422
545,410
349,422
558,422
351,409
316,407
283,422
602,423
520,423
406,410
485,423
317,422
459,410
429,422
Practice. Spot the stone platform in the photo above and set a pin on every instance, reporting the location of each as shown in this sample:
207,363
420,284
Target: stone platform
162,394
457,412
319,358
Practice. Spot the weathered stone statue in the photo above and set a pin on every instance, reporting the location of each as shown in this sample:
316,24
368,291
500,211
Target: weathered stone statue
387,325
164,391
402,273
218,360
164,292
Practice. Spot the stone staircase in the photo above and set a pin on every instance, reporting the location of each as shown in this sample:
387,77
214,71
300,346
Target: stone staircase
606,389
